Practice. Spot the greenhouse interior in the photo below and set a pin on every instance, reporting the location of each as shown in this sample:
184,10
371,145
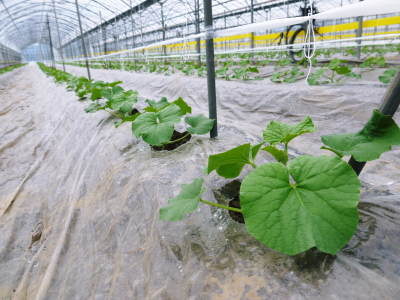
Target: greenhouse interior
198,149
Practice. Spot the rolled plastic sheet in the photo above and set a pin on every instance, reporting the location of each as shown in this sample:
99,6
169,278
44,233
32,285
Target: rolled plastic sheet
360,9
261,26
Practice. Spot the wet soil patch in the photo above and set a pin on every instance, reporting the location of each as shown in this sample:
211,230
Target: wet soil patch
314,260
230,192
182,137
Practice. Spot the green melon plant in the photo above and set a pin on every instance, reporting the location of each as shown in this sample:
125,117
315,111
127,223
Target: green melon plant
287,76
117,102
156,126
388,76
108,96
292,205
333,73
10,68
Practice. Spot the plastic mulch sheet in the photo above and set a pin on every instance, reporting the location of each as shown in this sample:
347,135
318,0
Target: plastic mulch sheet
79,198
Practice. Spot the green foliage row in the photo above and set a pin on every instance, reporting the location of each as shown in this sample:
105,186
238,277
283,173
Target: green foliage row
333,72
155,124
10,68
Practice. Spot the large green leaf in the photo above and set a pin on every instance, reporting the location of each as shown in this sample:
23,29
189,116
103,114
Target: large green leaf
156,128
277,132
229,164
377,137
185,203
199,124
310,203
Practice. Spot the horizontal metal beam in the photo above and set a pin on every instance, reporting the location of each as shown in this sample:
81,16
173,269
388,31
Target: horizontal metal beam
135,9
139,7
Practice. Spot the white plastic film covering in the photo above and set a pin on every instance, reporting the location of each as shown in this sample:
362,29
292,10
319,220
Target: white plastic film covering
84,223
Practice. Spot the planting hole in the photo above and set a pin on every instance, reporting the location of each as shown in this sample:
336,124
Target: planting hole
180,138
230,193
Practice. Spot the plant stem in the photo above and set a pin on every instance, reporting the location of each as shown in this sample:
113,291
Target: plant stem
238,210
333,150
177,140
253,164
114,114
332,78
287,153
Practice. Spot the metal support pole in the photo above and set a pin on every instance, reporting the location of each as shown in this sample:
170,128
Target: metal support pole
83,40
104,34
133,26
359,33
252,21
99,39
212,97
197,21
60,48
141,31
115,38
389,106
53,63
163,27
126,35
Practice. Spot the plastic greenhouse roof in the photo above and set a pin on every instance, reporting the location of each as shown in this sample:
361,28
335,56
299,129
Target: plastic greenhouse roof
23,22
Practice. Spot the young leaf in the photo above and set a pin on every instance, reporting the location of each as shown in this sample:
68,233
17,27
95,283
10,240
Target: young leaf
123,101
319,209
277,132
126,119
316,77
255,149
81,93
342,70
114,83
109,93
377,137
185,203
93,107
185,108
279,155
97,93
156,128
253,70
229,164
155,106
199,124
387,76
